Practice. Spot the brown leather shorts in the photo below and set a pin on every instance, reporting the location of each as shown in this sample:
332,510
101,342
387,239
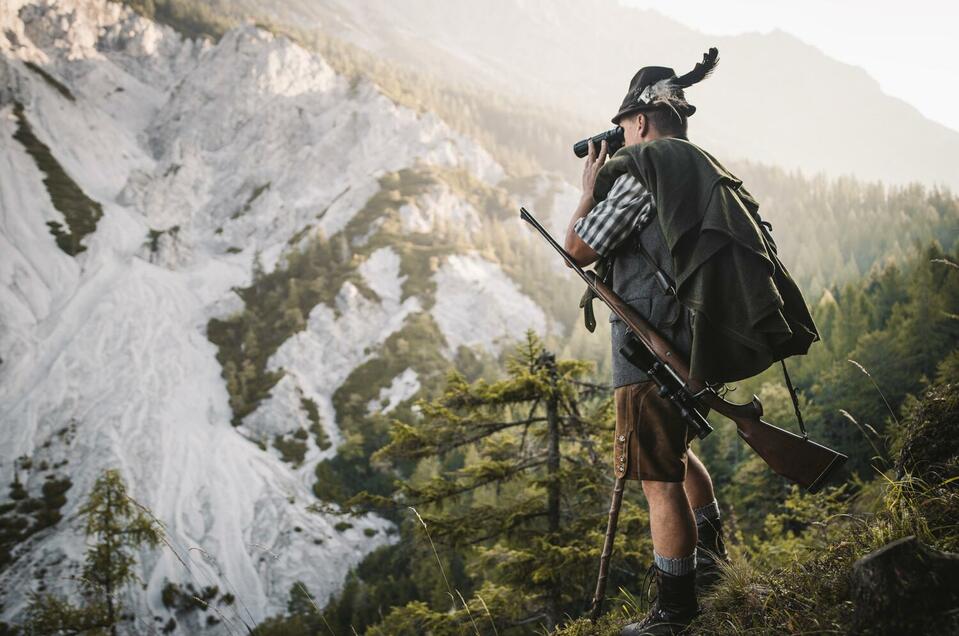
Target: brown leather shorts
651,438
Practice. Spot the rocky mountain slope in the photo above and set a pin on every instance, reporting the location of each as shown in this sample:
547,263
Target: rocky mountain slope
148,184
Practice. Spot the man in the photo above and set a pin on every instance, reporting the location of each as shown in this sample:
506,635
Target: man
651,439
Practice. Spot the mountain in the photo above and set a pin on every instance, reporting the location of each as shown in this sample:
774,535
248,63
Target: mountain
773,98
148,183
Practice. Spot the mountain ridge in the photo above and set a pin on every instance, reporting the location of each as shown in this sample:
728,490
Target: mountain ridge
801,108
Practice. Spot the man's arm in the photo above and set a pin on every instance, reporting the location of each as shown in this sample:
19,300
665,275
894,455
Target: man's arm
582,253
597,230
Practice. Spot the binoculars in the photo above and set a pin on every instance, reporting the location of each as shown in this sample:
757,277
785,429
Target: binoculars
613,137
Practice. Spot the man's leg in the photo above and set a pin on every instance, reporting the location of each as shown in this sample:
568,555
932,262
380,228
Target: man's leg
699,485
711,547
671,519
673,526
661,465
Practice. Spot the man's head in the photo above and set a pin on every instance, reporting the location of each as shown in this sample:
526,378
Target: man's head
655,104
647,125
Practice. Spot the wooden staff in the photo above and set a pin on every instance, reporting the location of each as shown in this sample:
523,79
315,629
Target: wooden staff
614,507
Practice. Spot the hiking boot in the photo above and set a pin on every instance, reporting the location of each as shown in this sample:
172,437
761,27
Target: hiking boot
675,606
710,552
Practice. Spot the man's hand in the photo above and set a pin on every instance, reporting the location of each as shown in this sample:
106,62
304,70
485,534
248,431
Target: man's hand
582,253
594,161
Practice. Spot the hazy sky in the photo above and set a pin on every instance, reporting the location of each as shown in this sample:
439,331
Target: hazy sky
908,46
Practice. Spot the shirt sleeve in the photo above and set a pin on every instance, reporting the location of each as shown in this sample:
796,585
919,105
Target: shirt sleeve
612,220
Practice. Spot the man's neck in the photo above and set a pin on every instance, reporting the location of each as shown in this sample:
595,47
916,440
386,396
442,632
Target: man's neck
657,135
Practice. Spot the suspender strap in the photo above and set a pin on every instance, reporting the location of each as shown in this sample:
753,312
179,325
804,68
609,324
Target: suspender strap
795,398
664,281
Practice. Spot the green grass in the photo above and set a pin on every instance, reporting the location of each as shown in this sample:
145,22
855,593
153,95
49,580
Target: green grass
796,580
809,595
80,212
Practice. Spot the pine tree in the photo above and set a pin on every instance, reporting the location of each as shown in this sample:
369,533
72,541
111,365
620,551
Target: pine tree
522,491
117,527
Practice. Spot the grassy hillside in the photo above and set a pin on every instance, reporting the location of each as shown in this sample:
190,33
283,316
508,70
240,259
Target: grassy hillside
796,577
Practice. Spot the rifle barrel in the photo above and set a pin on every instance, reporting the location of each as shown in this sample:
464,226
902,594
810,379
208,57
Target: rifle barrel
529,218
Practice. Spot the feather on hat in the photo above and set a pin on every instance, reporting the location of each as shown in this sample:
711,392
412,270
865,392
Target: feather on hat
656,87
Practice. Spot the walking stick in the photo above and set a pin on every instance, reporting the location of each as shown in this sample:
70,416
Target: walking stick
614,507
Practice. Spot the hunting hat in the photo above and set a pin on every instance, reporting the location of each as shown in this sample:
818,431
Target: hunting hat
657,87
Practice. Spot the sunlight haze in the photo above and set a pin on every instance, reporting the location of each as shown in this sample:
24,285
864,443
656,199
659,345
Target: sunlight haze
905,46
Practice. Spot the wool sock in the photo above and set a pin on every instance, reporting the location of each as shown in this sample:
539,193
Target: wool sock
709,512
678,566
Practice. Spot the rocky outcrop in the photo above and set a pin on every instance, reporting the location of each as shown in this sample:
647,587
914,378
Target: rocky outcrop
930,439
906,588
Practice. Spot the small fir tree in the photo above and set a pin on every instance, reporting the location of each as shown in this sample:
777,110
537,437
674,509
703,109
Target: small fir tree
116,527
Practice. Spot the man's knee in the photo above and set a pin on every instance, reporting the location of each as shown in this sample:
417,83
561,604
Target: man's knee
663,490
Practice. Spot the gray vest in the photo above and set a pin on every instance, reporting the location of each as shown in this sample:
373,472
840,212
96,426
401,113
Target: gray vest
633,279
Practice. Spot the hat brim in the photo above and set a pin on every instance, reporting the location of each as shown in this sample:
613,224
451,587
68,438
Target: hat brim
686,111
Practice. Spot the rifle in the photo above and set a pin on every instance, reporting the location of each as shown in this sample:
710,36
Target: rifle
795,457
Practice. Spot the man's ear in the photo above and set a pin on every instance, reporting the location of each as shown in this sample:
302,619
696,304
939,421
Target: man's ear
642,124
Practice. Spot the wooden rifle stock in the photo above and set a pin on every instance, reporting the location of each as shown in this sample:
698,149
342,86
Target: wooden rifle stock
795,457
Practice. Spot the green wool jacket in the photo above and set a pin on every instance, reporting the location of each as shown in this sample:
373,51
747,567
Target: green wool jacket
748,311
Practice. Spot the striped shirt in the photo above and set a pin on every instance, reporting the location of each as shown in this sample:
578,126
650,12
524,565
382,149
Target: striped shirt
613,218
